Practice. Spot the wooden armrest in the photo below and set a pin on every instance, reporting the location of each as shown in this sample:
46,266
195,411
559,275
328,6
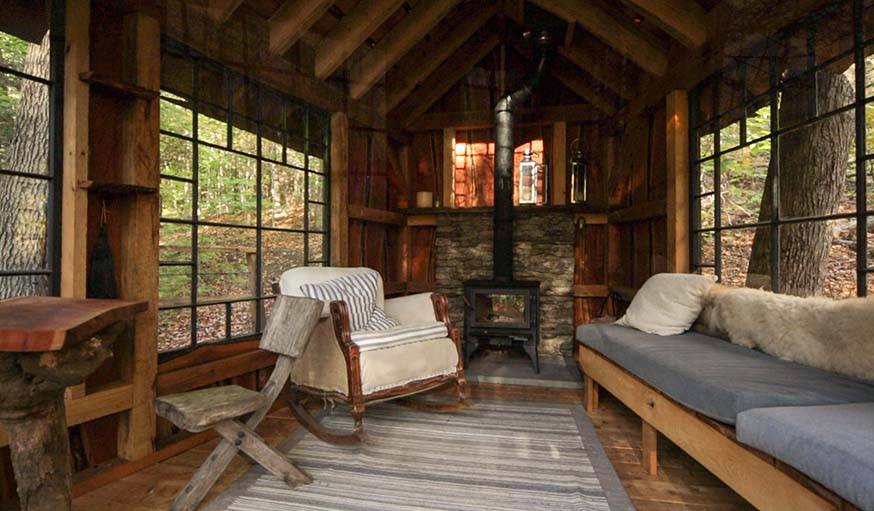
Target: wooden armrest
341,323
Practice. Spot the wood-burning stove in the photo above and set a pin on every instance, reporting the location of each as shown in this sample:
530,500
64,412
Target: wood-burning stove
505,311
502,313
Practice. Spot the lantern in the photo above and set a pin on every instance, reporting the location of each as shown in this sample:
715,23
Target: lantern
579,174
528,170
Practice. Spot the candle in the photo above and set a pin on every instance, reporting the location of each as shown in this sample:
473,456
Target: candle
424,199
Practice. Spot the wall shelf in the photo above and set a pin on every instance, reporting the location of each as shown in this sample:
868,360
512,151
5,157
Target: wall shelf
107,188
118,87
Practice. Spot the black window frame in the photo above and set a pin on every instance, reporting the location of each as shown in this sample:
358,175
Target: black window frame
54,175
317,140
862,211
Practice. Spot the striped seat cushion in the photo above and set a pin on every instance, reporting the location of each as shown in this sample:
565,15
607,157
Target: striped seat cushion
399,335
358,290
379,320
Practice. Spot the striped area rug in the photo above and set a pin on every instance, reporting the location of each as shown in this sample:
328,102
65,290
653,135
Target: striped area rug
496,455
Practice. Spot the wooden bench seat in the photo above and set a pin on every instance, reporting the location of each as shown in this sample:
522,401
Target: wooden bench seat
199,410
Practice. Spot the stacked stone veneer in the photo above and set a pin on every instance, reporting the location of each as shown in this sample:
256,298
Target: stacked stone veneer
543,250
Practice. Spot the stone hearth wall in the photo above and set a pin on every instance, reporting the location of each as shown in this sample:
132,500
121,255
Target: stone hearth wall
543,250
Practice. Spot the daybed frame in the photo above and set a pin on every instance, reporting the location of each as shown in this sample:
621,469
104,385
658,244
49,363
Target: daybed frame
761,479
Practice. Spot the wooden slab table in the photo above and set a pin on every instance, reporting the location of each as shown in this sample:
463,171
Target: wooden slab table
46,345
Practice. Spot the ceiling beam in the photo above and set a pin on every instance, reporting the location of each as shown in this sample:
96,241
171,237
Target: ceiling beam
602,25
444,77
393,46
598,68
573,81
476,119
684,20
222,10
359,24
419,63
292,20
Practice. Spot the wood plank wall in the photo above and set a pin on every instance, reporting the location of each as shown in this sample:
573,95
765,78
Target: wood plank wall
637,241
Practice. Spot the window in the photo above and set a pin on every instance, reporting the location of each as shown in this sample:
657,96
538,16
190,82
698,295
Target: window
474,163
244,197
782,163
30,162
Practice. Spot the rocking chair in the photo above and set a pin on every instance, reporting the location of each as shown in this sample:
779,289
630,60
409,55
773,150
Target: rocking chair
338,365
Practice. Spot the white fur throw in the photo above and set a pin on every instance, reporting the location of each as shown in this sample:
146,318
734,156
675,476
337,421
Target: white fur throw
835,335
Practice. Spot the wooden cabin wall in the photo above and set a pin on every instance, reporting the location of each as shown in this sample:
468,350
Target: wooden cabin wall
598,145
638,229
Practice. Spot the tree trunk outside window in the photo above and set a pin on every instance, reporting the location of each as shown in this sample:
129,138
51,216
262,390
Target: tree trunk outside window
813,167
24,201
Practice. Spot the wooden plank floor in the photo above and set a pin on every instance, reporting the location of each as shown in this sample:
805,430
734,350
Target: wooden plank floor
682,484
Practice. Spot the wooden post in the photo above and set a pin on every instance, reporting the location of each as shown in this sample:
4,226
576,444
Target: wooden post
138,256
339,189
677,131
448,192
559,164
592,389
74,221
405,235
649,447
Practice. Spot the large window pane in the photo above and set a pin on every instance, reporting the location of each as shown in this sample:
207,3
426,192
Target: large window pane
174,285
24,125
175,244
743,173
814,165
23,224
742,264
226,263
281,251
218,199
176,157
227,187
282,195
174,329
25,141
175,118
176,199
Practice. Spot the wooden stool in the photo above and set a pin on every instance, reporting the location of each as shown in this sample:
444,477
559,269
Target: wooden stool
234,412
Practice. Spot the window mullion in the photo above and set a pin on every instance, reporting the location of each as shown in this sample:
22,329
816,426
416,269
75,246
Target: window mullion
861,149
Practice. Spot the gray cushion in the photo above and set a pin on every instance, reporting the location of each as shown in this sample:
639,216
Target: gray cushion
717,378
832,444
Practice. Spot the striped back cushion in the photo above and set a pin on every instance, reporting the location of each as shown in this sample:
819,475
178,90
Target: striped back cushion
358,290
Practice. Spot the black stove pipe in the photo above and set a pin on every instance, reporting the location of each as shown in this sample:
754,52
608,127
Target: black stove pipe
503,233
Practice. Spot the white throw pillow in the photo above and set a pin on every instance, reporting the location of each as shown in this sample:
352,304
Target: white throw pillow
667,303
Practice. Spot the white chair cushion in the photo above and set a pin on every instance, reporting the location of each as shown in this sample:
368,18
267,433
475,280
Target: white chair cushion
358,290
398,335
402,364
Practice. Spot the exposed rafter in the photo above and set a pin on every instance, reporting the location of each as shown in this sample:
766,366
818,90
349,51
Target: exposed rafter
417,65
444,77
396,43
602,25
600,70
359,24
292,20
222,10
573,81
685,20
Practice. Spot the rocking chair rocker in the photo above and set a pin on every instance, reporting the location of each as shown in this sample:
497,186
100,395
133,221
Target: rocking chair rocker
334,366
